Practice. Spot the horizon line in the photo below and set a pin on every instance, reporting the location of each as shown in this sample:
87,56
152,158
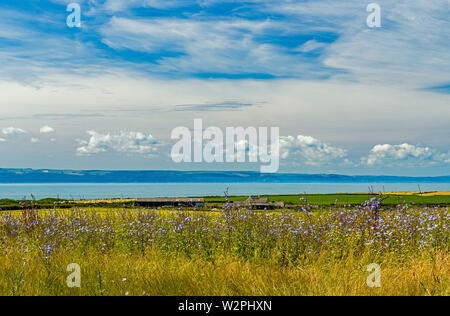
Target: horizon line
227,171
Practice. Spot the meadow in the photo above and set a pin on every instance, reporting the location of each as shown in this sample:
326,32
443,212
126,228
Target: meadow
326,200
323,201
128,251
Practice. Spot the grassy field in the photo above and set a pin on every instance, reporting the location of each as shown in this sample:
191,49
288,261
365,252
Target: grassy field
346,199
320,200
231,252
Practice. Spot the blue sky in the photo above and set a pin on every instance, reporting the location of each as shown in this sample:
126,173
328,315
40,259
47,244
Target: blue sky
347,98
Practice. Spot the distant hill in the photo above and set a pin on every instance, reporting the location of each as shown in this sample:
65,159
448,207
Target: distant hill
102,176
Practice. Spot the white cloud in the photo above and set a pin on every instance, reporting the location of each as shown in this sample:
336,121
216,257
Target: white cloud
310,46
2,140
388,154
120,5
410,49
122,142
311,151
37,53
225,46
323,109
244,151
12,131
47,129
34,140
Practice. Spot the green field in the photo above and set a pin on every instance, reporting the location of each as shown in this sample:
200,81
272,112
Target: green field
321,200
344,199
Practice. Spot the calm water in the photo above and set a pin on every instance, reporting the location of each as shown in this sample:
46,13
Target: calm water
100,191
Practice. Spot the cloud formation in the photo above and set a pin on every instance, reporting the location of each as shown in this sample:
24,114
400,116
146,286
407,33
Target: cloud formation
324,71
311,151
12,132
122,142
121,5
211,46
409,49
46,130
404,153
311,39
219,106
311,45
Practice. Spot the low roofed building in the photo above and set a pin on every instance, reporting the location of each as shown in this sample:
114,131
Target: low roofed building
255,203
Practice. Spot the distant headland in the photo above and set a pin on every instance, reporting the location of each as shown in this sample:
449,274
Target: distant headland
20,176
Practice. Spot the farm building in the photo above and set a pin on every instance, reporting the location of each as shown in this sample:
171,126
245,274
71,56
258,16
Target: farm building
255,203
173,202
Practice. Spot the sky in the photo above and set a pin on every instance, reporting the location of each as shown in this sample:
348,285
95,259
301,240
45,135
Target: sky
347,98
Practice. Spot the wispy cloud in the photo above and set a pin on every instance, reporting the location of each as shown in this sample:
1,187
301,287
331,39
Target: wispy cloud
312,39
311,45
220,106
212,47
120,5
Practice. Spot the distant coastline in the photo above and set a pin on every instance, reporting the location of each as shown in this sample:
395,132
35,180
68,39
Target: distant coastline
47,176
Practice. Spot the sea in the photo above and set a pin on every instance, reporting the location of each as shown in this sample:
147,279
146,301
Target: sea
89,191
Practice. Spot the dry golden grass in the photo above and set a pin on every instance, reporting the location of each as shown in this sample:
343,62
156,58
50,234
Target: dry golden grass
230,253
154,273
435,194
441,193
